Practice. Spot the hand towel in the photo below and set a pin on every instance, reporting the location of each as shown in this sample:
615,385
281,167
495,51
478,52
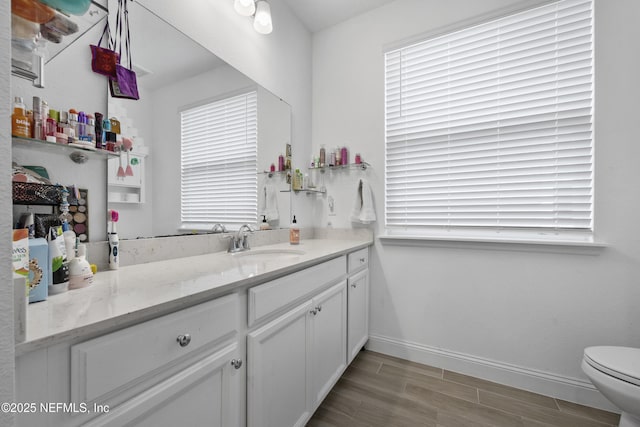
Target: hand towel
268,202
363,210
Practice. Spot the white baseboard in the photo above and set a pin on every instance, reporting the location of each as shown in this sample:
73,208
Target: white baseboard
566,388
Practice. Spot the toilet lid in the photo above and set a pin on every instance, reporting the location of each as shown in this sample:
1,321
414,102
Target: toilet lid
620,362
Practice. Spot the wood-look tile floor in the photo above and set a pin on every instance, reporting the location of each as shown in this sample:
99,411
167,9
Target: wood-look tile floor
379,390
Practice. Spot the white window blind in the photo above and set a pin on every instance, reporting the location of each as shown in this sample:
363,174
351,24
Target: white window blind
219,162
491,126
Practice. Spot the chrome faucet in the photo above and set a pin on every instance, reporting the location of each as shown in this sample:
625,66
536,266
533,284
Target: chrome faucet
243,237
240,242
218,228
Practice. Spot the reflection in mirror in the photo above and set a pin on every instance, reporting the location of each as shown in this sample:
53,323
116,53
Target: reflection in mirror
70,83
175,75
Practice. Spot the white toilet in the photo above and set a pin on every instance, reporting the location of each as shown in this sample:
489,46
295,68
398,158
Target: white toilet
615,371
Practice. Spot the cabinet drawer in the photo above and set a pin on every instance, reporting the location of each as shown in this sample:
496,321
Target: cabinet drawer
132,355
358,259
270,297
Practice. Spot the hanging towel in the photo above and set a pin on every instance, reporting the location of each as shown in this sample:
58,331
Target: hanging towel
363,210
268,202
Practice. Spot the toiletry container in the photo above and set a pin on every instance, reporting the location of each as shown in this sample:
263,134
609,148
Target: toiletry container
20,124
39,269
296,181
80,274
294,232
264,225
114,256
69,237
59,278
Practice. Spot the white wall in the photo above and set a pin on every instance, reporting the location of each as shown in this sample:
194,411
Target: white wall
280,61
519,317
7,363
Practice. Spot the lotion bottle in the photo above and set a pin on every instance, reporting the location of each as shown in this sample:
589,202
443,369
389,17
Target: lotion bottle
20,125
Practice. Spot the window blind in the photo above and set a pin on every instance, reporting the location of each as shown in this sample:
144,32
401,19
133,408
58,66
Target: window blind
219,162
491,126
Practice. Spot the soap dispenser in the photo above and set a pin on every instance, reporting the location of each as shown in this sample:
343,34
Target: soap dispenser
294,232
264,225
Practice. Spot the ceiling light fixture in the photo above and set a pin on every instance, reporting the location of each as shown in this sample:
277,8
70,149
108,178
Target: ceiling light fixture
261,12
245,7
262,19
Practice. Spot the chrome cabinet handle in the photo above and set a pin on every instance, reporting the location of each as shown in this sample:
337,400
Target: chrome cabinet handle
319,308
362,259
184,340
353,285
314,311
236,363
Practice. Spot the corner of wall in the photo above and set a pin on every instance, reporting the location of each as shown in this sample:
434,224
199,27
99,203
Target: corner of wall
7,351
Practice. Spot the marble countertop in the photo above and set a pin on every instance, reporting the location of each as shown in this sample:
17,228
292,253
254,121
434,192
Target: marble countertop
140,292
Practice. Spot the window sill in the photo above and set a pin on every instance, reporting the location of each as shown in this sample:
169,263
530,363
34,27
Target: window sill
563,246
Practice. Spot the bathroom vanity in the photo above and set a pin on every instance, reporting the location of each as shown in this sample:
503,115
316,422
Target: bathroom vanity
255,338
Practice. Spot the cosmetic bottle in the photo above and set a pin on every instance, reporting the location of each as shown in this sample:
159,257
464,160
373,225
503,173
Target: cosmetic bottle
98,131
344,154
323,155
296,182
91,129
82,126
59,279
52,125
20,125
294,232
69,237
338,156
73,122
44,113
80,274
106,132
37,118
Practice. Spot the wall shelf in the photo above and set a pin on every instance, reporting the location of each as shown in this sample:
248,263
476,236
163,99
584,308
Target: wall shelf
270,174
52,147
305,190
363,166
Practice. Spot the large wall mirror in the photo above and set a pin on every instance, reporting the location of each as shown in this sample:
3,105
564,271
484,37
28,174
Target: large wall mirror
176,73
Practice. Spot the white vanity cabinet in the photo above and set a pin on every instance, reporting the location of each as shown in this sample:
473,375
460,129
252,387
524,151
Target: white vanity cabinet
260,354
156,373
329,340
295,359
358,305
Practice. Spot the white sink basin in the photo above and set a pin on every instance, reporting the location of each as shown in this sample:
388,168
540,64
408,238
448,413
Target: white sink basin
269,254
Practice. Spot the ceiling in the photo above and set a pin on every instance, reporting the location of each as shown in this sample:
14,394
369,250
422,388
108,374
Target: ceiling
320,14
157,47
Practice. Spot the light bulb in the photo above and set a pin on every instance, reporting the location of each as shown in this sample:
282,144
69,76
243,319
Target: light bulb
262,21
245,7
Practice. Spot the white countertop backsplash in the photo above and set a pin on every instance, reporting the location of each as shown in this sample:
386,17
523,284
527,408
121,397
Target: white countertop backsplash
147,289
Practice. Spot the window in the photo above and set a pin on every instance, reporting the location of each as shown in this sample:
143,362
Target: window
219,162
490,127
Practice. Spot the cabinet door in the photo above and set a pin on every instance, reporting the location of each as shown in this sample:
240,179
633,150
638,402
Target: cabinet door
329,335
278,380
358,320
205,394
